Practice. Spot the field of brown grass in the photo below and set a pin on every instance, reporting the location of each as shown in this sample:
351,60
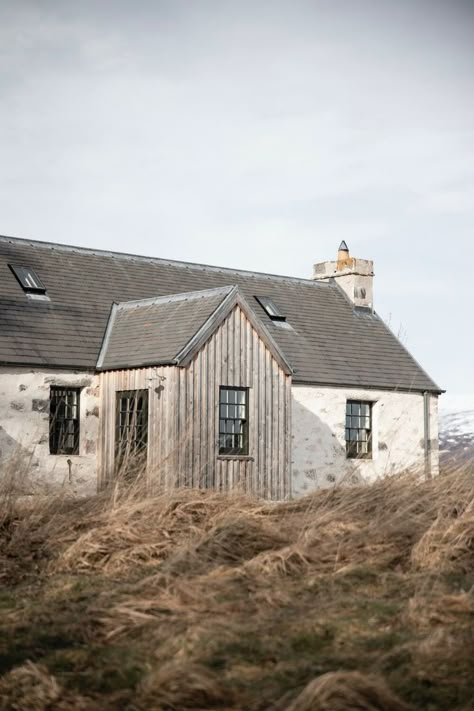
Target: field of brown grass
356,598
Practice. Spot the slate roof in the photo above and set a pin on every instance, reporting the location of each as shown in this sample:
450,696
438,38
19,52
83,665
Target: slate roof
154,331
331,343
170,330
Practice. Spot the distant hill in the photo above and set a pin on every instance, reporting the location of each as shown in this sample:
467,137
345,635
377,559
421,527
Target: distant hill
456,437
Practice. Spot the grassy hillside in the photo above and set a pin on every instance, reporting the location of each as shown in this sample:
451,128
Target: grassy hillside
353,598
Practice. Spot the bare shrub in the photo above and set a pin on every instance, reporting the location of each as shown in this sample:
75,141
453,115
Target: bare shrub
181,685
29,687
347,691
194,597
448,544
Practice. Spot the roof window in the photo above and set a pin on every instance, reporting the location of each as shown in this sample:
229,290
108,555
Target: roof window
29,280
271,308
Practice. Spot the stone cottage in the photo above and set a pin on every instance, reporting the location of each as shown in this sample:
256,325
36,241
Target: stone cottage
205,376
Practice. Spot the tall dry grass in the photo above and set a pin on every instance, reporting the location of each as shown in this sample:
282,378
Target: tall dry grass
352,598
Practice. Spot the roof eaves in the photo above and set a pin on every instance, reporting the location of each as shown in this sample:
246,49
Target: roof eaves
365,386
155,363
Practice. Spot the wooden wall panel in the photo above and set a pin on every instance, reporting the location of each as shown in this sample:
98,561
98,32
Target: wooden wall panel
184,416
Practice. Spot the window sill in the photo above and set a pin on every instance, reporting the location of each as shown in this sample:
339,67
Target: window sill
366,458
239,457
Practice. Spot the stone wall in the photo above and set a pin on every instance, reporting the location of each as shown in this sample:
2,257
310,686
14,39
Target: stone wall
24,429
318,432
318,436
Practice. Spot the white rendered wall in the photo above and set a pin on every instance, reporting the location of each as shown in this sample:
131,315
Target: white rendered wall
318,436
24,428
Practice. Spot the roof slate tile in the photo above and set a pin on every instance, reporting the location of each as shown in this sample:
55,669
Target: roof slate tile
331,342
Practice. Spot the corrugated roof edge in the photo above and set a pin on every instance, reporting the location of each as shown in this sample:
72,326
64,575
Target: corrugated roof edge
172,262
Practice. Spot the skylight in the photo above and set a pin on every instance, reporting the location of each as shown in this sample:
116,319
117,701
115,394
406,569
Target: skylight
29,280
271,308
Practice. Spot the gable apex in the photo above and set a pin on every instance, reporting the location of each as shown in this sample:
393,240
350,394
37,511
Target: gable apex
234,298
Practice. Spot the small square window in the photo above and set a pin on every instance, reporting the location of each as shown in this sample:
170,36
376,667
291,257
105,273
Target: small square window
29,280
271,308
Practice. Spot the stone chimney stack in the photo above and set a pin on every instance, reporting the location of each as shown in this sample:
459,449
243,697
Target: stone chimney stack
354,276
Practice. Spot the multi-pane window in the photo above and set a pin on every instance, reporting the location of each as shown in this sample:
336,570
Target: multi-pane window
233,421
131,434
64,420
358,429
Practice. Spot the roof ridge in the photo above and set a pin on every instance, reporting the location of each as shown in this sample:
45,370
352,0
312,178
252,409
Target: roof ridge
180,296
161,260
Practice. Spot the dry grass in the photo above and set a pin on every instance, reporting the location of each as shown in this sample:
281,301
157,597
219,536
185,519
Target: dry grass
354,598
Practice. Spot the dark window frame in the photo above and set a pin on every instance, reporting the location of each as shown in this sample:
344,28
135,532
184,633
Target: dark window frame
233,409
129,416
359,429
64,420
270,308
23,274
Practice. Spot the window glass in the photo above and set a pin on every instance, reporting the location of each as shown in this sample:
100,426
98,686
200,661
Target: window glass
64,420
271,308
131,434
28,279
233,422
358,429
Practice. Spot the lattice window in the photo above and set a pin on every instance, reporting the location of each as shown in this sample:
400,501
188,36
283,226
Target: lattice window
358,429
131,436
64,420
233,421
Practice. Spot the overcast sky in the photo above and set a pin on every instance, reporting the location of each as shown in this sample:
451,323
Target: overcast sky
255,135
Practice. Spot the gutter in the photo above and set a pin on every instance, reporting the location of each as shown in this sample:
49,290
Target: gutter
427,433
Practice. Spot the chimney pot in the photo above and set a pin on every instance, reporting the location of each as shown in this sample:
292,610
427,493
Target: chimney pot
354,276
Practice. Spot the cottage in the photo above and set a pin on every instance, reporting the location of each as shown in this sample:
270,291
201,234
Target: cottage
204,376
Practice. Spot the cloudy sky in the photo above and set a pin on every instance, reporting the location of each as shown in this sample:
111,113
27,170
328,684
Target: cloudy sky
255,135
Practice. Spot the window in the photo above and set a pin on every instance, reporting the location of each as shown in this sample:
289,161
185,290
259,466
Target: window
28,279
358,429
233,421
64,420
271,308
131,434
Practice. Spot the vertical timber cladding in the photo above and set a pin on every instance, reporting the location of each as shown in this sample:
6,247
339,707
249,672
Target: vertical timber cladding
183,437
161,383
236,356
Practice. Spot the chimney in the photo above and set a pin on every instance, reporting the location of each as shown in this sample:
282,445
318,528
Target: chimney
354,276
